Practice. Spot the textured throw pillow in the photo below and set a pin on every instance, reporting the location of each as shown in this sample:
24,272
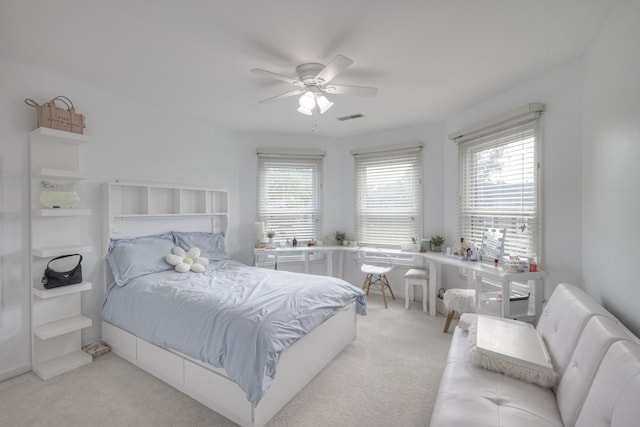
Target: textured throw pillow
211,245
130,258
507,364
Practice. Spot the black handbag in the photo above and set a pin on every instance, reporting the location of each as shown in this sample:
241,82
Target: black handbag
55,279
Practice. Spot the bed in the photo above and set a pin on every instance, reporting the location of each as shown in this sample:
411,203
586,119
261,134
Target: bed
223,336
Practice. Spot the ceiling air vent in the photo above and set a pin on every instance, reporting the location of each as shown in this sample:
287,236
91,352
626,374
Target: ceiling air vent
351,117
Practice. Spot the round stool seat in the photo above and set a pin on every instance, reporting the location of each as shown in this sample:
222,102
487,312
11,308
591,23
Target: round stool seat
460,301
416,273
375,269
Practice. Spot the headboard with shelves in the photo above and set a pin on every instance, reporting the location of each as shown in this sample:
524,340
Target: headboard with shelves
137,209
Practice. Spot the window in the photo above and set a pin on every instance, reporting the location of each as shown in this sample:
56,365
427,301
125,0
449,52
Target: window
499,185
290,194
388,195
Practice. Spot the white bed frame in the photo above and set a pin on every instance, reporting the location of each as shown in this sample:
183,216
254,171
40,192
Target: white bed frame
209,385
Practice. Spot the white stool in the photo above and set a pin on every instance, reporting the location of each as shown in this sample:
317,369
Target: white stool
460,301
416,277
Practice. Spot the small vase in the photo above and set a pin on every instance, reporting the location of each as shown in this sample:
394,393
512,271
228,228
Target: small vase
436,249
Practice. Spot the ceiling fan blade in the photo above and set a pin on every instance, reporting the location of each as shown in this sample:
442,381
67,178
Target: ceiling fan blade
277,76
333,68
350,90
284,95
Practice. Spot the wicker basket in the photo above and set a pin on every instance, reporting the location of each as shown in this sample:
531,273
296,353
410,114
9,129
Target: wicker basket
50,116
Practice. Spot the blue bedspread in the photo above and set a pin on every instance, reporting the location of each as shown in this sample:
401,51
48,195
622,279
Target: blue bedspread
231,316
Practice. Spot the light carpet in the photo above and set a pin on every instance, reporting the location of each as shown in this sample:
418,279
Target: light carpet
388,376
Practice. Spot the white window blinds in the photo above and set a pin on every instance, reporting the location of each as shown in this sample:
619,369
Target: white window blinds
388,196
499,187
290,195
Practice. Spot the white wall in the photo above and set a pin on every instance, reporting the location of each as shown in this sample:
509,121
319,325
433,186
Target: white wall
14,286
248,212
560,90
431,135
590,165
583,182
611,165
129,141
339,185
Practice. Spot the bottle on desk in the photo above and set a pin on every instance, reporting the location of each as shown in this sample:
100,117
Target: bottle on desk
473,254
294,243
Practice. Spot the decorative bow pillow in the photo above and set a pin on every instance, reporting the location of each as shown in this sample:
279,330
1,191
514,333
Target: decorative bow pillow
184,261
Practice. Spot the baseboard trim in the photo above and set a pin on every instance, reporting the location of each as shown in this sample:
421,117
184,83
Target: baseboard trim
14,372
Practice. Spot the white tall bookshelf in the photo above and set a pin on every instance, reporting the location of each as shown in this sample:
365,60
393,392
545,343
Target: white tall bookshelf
56,314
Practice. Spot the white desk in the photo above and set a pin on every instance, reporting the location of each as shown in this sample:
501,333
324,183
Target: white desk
328,251
306,251
475,271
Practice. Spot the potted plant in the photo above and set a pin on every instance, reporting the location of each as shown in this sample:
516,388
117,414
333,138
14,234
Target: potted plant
411,247
270,235
415,245
436,242
340,236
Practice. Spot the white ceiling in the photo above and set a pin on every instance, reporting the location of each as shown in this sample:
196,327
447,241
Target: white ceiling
428,58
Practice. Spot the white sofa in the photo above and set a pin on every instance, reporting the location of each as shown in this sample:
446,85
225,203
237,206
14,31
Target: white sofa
597,360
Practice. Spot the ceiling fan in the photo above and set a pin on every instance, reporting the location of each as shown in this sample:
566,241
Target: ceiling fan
314,81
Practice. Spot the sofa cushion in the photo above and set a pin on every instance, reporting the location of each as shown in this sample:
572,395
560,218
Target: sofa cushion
562,321
472,396
599,362
612,399
598,335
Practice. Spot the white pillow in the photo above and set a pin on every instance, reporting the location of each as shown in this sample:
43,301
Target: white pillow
137,256
508,364
211,245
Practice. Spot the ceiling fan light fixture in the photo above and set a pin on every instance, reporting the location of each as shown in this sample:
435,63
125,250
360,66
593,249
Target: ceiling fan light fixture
307,101
323,103
304,110
313,82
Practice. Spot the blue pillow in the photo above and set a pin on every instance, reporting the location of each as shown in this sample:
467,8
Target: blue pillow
130,258
211,245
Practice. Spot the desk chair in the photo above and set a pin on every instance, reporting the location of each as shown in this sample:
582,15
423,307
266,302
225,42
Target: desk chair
375,265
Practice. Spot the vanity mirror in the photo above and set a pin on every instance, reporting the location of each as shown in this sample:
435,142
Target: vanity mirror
492,244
